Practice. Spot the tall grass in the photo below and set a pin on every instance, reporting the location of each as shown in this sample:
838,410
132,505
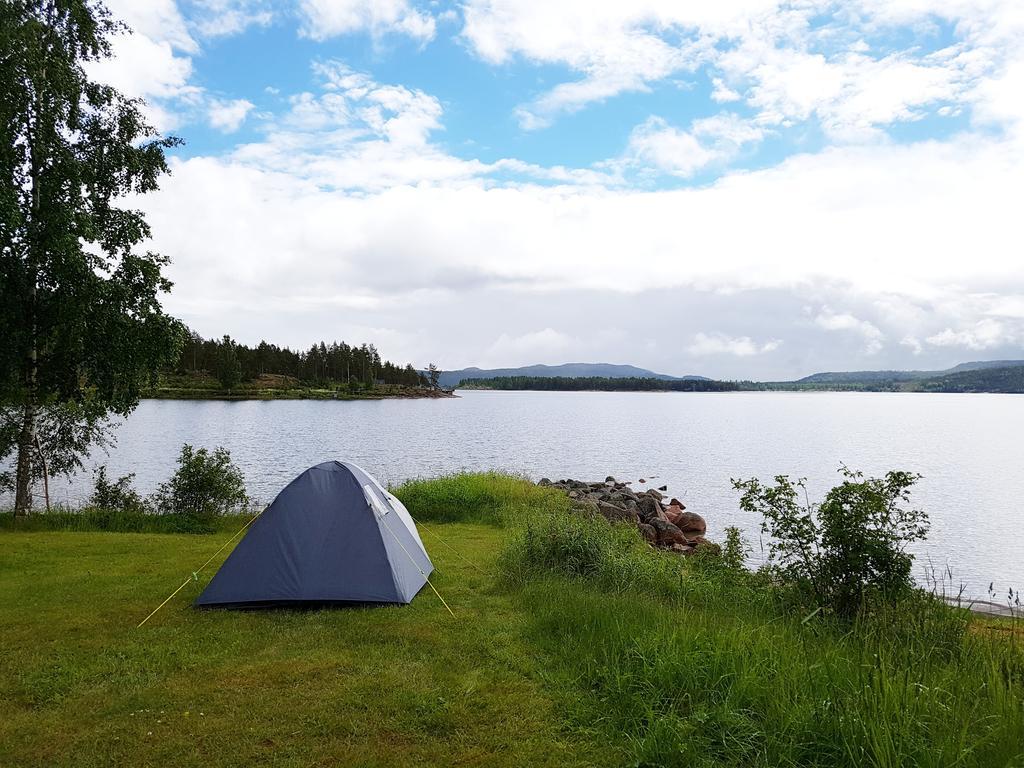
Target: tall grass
691,662
477,497
730,687
66,518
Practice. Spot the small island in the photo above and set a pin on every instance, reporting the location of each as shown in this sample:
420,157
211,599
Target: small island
224,369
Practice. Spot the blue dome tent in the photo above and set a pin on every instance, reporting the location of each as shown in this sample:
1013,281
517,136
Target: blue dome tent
333,535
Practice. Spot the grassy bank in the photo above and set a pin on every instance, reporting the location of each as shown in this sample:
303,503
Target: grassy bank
95,519
573,644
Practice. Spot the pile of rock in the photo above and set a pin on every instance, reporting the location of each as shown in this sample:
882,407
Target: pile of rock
666,525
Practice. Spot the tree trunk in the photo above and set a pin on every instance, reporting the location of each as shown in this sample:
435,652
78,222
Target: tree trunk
27,437
26,444
46,473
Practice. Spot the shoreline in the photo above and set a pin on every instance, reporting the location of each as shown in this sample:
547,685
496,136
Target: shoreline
299,394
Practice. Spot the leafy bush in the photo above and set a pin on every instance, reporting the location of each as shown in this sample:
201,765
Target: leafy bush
850,549
735,550
117,495
205,486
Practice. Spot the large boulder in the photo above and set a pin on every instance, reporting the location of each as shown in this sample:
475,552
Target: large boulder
588,507
615,513
691,524
647,531
673,512
649,508
667,534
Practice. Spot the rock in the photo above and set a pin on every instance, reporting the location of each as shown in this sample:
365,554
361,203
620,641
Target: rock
662,487
670,527
691,521
667,533
672,513
649,507
614,513
648,532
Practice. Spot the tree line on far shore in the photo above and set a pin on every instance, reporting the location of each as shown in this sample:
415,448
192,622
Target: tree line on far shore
598,383
322,364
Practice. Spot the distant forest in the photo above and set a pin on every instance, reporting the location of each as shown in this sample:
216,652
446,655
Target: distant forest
322,364
1007,379
598,383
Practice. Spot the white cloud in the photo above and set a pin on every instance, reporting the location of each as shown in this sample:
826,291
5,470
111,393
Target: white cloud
349,205
720,344
154,62
158,20
417,219
656,144
616,46
220,18
323,19
144,67
789,61
869,332
358,134
985,334
228,116
913,343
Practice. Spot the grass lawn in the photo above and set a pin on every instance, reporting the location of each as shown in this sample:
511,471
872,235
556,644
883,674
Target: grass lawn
81,686
573,644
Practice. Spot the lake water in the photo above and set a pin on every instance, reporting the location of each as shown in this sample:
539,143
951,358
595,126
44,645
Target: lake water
968,447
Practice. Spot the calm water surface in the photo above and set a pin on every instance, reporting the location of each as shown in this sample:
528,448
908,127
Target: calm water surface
968,447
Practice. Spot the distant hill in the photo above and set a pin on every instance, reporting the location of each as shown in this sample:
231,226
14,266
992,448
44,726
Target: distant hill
1007,379
977,376
451,379
865,377
599,384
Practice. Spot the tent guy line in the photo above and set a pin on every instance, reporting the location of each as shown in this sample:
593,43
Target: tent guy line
425,577
195,573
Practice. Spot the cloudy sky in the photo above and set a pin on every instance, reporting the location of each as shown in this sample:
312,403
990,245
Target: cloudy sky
737,188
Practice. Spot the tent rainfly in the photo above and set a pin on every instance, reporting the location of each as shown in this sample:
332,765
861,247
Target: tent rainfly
333,535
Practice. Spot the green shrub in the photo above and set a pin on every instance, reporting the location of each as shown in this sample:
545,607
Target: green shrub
205,486
847,551
117,495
